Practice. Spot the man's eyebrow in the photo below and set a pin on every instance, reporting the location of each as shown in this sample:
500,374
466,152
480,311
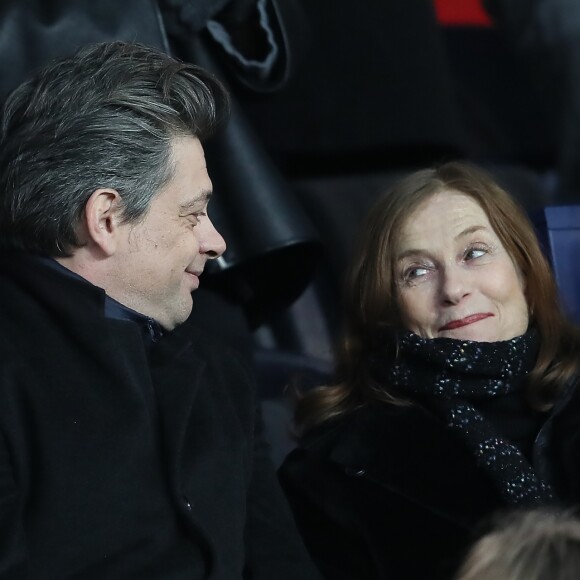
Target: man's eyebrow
462,234
201,199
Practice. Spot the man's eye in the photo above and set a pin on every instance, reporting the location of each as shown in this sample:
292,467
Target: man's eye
194,217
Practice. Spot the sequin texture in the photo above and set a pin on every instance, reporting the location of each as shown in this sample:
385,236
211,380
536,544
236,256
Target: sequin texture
449,376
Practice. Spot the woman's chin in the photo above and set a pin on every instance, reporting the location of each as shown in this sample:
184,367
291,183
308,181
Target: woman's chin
470,333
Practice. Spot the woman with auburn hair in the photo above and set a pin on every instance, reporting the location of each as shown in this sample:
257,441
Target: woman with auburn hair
456,390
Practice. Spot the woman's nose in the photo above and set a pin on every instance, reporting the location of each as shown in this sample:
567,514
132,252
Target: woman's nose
454,284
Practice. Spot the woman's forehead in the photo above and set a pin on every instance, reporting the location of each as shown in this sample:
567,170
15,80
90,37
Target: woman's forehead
446,214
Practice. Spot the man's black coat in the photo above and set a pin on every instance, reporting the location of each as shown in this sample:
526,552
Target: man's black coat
118,463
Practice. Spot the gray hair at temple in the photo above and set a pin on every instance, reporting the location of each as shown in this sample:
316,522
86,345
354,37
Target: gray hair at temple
104,118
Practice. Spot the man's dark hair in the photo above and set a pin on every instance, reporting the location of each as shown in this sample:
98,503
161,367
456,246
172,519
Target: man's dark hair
103,118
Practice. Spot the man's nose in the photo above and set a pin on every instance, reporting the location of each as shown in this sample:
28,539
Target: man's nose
212,243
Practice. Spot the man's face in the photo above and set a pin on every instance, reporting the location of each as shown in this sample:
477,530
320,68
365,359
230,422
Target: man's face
159,259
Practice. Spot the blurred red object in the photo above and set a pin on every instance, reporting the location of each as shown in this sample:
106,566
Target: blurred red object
461,13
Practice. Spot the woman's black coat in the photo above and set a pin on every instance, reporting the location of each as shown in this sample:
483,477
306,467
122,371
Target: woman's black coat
388,493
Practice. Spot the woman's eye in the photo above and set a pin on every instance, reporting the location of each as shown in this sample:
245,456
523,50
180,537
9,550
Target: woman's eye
474,253
414,273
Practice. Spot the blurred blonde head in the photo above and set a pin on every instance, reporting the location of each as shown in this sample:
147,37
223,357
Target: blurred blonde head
529,545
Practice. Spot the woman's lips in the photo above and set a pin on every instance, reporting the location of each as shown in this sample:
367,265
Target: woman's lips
465,321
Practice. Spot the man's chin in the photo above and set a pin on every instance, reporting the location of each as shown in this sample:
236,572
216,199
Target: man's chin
171,320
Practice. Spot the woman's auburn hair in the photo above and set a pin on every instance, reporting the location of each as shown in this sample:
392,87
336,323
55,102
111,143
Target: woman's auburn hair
371,295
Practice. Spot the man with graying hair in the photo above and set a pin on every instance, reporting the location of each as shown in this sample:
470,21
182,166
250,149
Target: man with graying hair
129,446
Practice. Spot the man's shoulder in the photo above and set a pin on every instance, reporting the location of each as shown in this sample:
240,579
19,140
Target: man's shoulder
222,361
211,346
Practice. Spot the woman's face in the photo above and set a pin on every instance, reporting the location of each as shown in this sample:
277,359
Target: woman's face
454,277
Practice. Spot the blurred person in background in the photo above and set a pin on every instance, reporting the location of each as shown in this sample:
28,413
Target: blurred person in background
527,545
545,37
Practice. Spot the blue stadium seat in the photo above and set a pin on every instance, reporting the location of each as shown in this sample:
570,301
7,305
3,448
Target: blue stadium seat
558,228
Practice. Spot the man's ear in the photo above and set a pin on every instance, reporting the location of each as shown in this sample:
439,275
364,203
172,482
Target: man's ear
102,218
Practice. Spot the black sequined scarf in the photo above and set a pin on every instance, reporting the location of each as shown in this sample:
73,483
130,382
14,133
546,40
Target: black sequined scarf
449,376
